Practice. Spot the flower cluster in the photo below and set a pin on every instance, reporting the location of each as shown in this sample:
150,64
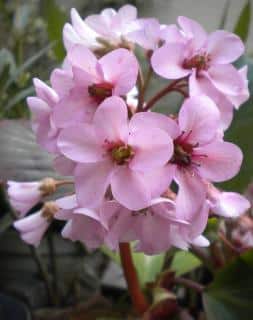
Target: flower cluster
138,175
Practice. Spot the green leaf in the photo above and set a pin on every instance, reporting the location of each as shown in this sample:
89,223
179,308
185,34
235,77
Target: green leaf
240,133
183,262
55,19
243,24
20,96
27,64
147,267
229,297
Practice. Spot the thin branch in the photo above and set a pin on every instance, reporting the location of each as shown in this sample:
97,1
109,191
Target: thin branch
171,87
188,283
138,299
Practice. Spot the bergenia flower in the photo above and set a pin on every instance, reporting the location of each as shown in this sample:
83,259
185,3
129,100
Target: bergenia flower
112,26
25,195
83,224
33,227
226,204
93,81
200,56
199,152
117,152
159,219
41,107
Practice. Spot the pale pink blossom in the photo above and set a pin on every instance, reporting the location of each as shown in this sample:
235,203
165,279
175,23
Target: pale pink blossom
113,26
24,195
92,81
33,227
199,152
149,34
226,204
202,57
115,151
41,107
83,224
159,219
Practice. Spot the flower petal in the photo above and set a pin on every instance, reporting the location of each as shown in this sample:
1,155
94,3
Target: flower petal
219,161
226,78
111,120
199,118
92,180
154,120
120,67
80,144
191,193
224,47
167,61
129,189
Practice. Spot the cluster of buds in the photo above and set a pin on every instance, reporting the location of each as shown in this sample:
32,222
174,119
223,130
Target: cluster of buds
137,172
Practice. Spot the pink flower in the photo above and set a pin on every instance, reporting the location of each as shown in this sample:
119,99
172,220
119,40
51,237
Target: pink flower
41,108
113,26
33,227
149,34
199,153
202,57
226,204
25,195
83,224
159,219
113,151
92,81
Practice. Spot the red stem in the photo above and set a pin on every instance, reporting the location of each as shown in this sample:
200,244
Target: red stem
171,87
138,299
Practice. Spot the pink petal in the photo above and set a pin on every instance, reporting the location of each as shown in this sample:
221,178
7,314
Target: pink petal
226,79
167,61
200,241
154,120
77,107
127,12
80,144
30,223
92,180
230,205
111,120
70,36
81,57
224,47
152,148
219,161
129,189
62,81
67,202
195,116
202,85
191,194
193,31
120,67
44,92
39,108
171,33
159,180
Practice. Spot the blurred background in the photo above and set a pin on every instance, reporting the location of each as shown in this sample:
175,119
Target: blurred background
61,274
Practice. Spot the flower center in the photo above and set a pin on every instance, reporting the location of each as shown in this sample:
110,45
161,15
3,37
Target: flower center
100,91
182,154
199,61
122,154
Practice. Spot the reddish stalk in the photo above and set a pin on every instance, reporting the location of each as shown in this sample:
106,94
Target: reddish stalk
138,299
188,283
171,87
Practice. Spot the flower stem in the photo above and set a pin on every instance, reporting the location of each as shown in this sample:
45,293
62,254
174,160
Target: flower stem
188,283
171,87
138,299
